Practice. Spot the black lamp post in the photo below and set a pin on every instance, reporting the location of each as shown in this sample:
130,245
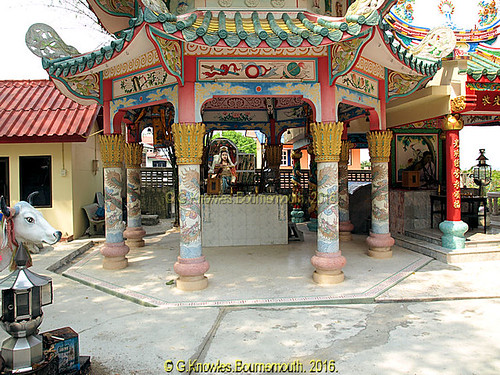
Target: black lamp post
23,295
482,172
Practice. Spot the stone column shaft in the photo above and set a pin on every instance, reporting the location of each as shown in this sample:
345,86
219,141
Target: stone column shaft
380,241
453,227
191,265
328,259
345,226
114,249
133,159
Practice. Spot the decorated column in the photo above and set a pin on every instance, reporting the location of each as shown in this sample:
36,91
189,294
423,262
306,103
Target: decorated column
453,227
328,259
297,214
380,241
273,159
313,191
114,249
133,159
191,265
345,226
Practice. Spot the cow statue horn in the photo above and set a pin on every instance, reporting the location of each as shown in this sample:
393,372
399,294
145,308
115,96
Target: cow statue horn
3,206
30,197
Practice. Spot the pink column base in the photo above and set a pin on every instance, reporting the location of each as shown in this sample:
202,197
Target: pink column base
114,255
134,236
191,273
345,229
328,267
380,245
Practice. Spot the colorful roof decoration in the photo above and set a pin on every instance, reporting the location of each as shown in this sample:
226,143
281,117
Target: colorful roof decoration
472,21
484,62
36,111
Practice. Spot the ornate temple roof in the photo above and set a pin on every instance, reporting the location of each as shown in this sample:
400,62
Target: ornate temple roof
484,62
243,30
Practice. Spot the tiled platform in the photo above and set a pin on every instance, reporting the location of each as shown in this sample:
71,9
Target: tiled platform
247,275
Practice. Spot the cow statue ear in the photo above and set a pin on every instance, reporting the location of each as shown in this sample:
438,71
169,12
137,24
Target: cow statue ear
3,206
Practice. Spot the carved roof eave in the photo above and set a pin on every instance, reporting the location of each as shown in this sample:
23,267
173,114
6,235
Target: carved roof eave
113,21
405,58
334,30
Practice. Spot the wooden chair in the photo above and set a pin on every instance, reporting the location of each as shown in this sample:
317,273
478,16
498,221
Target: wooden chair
96,226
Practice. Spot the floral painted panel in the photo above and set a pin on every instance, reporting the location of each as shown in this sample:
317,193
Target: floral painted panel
359,82
141,81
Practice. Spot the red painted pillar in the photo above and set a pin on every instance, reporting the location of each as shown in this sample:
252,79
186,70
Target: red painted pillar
453,212
453,227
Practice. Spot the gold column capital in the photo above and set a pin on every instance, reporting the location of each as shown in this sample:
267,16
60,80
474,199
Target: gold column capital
457,104
379,146
344,151
112,150
188,142
452,122
327,137
133,155
273,155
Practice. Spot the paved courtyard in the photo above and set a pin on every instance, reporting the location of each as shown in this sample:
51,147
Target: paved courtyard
406,315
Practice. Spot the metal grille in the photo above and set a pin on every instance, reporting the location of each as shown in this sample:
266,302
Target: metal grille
157,191
359,176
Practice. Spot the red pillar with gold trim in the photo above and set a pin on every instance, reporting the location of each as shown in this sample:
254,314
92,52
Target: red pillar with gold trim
453,227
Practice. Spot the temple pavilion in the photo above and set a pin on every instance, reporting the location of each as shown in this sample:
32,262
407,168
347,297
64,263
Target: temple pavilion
343,71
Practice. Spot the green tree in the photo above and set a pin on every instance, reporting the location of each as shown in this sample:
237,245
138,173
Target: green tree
245,144
366,165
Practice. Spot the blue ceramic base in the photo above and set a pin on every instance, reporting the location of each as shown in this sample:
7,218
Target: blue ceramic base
454,234
313,225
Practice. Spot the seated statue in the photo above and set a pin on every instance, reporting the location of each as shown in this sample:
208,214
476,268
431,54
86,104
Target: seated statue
223,167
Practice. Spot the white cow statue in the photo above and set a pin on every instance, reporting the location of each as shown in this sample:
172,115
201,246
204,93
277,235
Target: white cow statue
23,224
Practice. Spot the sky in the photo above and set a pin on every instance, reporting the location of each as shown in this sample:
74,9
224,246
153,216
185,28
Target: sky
18,62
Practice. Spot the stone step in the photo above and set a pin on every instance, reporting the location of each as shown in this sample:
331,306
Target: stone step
473,241
473,254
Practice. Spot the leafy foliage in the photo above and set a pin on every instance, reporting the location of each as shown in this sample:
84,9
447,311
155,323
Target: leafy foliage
366,164
245,144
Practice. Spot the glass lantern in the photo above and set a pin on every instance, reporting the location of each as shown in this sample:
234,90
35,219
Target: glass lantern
23,295
481,172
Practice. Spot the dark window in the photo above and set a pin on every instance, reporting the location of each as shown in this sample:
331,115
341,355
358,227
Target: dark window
4,179
36,175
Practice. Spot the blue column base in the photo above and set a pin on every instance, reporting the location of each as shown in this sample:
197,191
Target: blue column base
313,225
297,216
454,234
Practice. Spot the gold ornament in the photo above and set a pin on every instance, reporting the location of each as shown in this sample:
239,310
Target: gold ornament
452,122
273,155
457,104
327,137
379,146
133,155
344,151
112,150
188,141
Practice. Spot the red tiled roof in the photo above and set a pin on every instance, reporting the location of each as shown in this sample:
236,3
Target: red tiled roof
35,111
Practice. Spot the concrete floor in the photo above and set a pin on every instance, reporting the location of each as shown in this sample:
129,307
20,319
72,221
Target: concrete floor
408,315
